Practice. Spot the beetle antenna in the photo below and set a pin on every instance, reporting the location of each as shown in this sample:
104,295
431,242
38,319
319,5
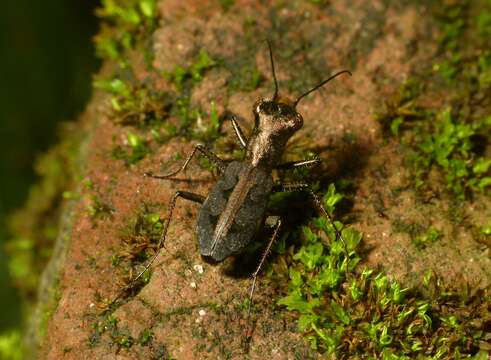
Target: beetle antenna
319,86
275,96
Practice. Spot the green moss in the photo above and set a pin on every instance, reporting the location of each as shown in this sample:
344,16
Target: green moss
126,24
412,229
448,144
429,237
98,209
136,104
135,149
486,229
145,337
245,78
353,313
226,4
11,346
320,2
34,228
140,239
163,115
181,75
109,325
452,20
450,140
48,308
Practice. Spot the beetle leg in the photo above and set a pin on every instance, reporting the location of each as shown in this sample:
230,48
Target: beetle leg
290,187
204,151
238,131
261,263
297,164
183,194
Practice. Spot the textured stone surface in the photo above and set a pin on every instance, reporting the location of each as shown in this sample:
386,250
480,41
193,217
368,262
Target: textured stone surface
195,315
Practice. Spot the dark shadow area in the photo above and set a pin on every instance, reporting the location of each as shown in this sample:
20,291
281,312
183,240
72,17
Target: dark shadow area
47,58
347,159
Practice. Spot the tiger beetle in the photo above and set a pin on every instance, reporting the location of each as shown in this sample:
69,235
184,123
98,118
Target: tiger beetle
236,206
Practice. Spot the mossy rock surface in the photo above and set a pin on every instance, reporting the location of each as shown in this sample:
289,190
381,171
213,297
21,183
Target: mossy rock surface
183,312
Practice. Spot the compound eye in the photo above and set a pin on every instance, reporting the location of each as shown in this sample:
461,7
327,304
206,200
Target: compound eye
298,122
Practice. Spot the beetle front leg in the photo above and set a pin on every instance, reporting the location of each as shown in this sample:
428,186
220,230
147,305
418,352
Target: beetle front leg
204,151
238,131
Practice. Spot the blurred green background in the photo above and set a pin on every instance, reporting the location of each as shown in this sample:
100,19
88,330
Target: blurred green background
46,61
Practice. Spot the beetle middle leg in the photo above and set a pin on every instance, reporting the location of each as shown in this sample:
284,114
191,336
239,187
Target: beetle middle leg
204,151
292,187
298,164
178,194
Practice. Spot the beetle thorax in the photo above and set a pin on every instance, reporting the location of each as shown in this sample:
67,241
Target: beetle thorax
275,122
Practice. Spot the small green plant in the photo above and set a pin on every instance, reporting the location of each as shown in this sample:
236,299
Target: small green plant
109,324
447,143
211,130
246,78
123,26
136,105
146,337
452,24
99,209
486,229
135,149
180,75
367,312
429,237
450,140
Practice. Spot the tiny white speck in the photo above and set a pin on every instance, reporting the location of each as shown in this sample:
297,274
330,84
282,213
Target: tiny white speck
198,268
91,305
193,285
202,312
384,234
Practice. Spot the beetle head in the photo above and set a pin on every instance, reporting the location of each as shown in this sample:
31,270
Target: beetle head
277,116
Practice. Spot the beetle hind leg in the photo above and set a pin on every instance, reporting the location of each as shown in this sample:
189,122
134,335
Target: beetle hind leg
178,194
258,270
